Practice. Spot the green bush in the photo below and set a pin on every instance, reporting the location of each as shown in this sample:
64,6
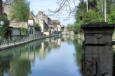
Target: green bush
4,28
23,31
76,27
92,16
89,17
37,27
111,16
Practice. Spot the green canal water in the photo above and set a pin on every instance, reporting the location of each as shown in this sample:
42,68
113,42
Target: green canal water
48,57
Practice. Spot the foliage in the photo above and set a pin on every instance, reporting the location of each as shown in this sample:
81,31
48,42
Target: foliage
111,16
69,27
80,11
23,31
3,28
37,27
76,27
92,16
20,10
92,4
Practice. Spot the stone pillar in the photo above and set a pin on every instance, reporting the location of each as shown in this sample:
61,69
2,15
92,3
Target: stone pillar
98,57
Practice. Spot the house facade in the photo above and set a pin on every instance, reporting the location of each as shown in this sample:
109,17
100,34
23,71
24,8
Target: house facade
6,6
56,26
31,27
42,20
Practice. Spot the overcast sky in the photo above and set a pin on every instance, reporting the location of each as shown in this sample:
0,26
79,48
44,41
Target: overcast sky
45,5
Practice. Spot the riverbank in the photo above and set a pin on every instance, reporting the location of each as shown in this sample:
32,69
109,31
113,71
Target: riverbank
28,40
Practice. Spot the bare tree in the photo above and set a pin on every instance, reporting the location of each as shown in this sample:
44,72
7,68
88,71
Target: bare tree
68,5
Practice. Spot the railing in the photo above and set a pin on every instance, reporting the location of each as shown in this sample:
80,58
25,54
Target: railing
8,43
14,42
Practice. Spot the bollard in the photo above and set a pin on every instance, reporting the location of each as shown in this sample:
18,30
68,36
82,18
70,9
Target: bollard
97,58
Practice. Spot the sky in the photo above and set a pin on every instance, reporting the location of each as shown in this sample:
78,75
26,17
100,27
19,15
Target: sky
50,5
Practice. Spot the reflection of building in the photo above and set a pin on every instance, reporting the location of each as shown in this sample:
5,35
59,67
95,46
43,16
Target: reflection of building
45,48
20,58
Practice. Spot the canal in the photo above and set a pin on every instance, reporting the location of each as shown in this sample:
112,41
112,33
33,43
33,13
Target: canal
48,57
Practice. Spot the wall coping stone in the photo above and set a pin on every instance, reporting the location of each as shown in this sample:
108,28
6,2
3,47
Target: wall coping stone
96,25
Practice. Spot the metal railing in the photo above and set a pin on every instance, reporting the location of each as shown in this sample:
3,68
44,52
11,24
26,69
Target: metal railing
12,42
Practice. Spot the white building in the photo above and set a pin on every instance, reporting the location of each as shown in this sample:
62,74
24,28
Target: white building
42,20
31,27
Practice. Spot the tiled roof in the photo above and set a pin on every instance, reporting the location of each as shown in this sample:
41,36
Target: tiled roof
55,22
30,17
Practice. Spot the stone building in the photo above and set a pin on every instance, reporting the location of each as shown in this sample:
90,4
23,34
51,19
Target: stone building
7,5
47,25
42,20
56,26
16,29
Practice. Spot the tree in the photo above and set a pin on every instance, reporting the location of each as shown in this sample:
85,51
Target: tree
92,16
20,10
37,27
4,27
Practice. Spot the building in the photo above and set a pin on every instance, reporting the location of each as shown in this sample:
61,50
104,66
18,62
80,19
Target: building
42,20
47,25
56,26
7,5
18,29
31,28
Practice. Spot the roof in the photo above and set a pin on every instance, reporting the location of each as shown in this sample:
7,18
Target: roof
30,17
55,22
18,24
99,25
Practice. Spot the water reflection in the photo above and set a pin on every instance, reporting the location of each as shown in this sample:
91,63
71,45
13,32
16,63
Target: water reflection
49,57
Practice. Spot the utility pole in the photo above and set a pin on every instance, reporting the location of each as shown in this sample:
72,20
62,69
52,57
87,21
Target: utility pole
1,8
105,10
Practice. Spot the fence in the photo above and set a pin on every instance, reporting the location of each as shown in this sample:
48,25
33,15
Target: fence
9,42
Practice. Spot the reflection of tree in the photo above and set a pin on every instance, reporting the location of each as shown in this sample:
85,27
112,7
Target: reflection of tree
4,64
19,67
79,52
